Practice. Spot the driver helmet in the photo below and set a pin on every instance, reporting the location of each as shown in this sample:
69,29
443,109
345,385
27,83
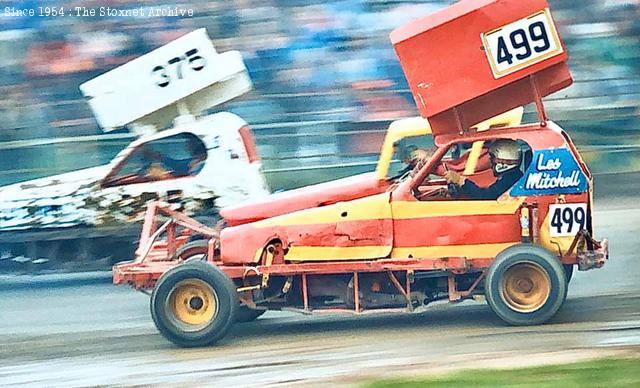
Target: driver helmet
505,155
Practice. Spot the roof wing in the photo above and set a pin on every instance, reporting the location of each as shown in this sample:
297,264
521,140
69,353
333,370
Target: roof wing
185,76
479,58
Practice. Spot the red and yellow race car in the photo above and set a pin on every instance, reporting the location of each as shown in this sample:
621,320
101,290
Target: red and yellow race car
497,210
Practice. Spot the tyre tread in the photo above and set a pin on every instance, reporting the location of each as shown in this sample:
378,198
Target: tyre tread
547,261
227,300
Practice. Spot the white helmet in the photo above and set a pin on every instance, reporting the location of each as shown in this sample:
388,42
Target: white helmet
505,155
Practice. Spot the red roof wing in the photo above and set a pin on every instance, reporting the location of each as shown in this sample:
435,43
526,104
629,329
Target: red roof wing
469,62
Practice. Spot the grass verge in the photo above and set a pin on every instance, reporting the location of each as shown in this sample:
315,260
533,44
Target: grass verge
599,373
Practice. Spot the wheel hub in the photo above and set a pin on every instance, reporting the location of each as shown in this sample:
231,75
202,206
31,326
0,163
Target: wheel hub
192,304
526,287
196,303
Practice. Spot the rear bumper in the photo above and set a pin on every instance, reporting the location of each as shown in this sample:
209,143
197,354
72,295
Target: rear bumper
595,257
141,275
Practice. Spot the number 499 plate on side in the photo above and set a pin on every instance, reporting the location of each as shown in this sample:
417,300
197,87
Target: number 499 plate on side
522,43
567,219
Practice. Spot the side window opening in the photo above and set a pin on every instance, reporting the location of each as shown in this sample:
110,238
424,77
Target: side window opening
177,156
499,164
404,150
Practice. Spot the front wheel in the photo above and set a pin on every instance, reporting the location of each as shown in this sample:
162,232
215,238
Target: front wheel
526,285
568,271
194,304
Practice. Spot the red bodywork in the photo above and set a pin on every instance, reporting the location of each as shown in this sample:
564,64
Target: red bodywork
241,242
445,63
304,198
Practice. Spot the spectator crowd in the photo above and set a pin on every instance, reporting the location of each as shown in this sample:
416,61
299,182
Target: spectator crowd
310,60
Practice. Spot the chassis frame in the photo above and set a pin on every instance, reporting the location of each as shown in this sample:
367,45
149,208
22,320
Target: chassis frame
155,257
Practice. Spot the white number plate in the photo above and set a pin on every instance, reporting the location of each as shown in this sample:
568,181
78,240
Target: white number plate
567,219
521,43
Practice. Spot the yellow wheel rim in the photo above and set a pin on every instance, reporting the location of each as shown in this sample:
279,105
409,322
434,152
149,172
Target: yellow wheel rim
192,304
526,287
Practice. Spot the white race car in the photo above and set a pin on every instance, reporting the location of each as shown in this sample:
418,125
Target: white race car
199,162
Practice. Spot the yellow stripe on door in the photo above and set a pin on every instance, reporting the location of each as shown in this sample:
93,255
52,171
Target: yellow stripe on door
417,209
299,253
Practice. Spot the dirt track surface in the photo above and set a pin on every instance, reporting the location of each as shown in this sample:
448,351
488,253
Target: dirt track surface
103,335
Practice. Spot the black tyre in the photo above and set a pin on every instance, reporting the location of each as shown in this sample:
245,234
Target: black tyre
568,271
246,314
194,304
192,251
526,285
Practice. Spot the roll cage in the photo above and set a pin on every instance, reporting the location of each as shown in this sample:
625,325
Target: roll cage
418,126
535,135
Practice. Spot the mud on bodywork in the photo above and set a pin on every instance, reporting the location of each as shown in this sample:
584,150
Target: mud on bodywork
77,199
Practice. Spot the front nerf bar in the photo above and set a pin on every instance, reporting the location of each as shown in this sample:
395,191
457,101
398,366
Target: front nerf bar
589,252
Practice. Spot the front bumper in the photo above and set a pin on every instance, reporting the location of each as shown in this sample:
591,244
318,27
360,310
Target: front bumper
592,254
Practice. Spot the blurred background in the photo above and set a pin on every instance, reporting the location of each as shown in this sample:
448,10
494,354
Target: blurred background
326,85
326,81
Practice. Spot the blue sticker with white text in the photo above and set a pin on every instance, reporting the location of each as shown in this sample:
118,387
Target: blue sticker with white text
552,171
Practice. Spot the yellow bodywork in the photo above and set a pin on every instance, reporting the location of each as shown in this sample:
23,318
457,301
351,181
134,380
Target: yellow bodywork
559,245
399,129
426,209
419,126
297,253
375,207
468,250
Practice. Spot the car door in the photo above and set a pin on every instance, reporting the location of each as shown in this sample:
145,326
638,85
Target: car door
452,227
353,230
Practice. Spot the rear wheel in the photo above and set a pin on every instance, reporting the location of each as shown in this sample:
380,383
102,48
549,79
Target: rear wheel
194,304
526,285
193,251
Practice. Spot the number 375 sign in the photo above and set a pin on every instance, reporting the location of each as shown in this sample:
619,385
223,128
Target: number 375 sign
168,74
521,43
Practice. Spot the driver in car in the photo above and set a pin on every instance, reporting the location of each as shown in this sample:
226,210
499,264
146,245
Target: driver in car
411,156
505,156
177,167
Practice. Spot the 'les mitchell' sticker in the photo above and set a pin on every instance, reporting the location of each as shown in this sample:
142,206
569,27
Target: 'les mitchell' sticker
552,171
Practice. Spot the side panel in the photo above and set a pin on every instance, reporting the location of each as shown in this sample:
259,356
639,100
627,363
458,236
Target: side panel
454,228
552,215
557,181
354,230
